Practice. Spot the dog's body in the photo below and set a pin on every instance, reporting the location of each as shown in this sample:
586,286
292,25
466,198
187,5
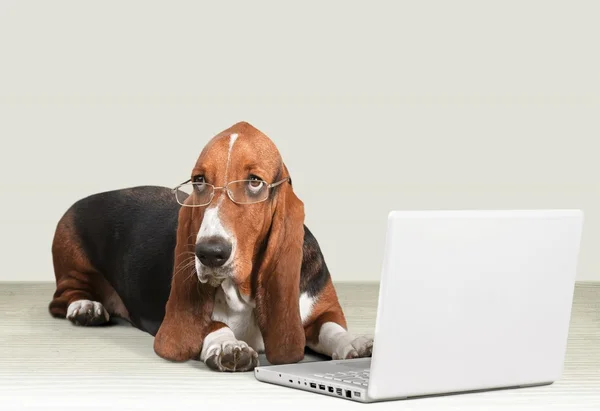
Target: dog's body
130,253
137,228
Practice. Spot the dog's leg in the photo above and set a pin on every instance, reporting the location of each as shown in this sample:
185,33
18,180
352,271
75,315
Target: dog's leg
76,299
334,340
327,333
221,351
77,295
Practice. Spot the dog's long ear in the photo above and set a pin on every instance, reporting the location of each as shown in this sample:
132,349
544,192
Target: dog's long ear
190,304
278,279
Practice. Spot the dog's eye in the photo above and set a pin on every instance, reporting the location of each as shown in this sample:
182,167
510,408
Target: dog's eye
255,183
199,184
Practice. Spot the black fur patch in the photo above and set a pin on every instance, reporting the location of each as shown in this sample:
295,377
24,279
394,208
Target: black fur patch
129,236
314,274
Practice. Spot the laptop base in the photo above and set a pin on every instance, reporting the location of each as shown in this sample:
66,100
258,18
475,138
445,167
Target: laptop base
311,377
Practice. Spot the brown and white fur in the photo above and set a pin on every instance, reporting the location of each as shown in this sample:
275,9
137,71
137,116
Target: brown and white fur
137,254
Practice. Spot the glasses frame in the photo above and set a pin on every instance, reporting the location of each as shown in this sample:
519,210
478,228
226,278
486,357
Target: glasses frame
215,188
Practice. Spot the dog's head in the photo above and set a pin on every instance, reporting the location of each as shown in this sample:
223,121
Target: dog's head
242,186
243,222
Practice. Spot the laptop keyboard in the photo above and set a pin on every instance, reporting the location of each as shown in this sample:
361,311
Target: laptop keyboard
350,377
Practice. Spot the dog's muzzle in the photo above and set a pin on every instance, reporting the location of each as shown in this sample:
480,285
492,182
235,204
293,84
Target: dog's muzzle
212,255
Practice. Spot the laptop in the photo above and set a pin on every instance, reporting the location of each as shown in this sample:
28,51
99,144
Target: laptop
468,301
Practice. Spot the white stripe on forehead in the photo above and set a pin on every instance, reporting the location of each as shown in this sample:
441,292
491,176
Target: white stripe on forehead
232,139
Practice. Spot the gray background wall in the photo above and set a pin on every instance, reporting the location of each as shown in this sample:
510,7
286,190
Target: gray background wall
374,106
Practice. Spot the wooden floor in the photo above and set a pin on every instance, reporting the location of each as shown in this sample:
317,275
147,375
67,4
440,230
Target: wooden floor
47,363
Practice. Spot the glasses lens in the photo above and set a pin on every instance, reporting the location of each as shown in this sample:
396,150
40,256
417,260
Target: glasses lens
194,194
248,191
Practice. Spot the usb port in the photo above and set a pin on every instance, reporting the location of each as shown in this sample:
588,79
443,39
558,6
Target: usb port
321,387
348,394
357,394
330,389
338,391
313,385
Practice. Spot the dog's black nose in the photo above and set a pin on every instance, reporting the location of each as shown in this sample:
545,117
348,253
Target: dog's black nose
213,251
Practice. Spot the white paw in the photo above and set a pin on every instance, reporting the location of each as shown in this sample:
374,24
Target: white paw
86,312
232,355
358,347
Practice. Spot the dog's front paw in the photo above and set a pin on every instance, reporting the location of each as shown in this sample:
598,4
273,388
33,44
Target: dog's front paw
231,356
359,347
86,312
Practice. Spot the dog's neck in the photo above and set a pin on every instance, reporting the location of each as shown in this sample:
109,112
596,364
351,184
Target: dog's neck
236,301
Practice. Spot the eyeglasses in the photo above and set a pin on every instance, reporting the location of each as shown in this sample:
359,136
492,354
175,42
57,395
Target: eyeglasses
240,192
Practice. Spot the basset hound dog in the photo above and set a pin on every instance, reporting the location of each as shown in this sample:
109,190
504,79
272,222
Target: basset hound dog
218,269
